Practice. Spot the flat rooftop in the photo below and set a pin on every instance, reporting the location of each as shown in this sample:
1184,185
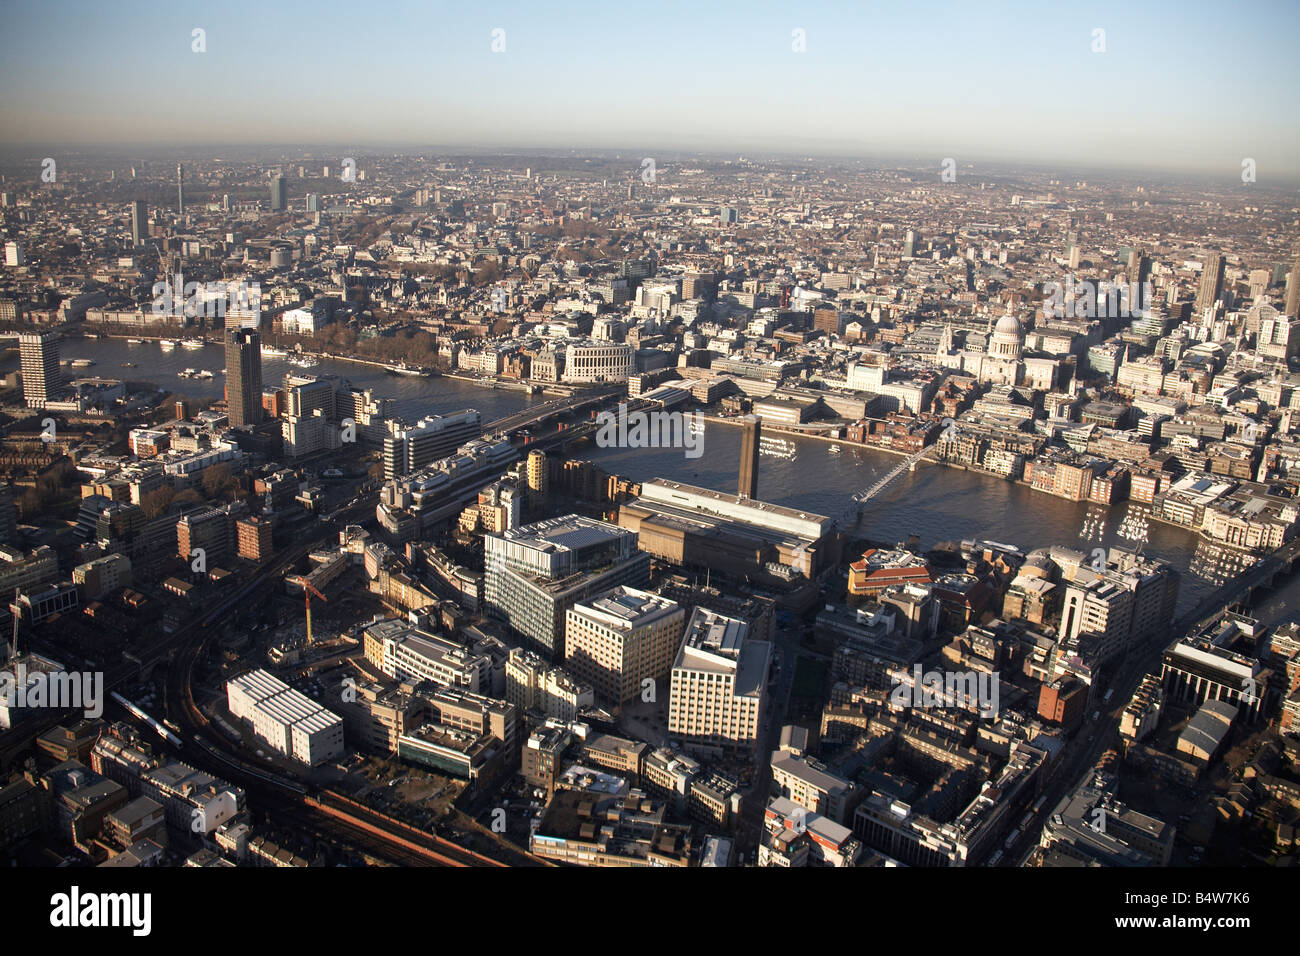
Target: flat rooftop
625,608
753,510
567,533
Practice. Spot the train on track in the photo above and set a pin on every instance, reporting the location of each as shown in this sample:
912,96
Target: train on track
135,711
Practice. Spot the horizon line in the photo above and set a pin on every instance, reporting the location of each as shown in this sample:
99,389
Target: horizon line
823,152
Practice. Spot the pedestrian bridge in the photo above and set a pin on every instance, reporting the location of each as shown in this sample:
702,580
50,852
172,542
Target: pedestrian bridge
861,498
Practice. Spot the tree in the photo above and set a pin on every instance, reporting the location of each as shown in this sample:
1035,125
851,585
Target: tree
188,497
486,273
218,482
155,503
29,503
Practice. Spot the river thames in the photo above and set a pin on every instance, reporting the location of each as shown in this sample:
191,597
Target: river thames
413,395
934,502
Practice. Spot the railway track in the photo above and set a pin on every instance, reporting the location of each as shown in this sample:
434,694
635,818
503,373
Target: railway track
432,848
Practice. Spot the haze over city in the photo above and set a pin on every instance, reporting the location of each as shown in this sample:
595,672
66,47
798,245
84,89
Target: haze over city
1177,86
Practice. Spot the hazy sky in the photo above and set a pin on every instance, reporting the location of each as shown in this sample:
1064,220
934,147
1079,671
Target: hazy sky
1185,85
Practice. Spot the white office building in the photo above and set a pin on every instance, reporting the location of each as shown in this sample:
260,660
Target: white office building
403,652
719,685
292,723
599,362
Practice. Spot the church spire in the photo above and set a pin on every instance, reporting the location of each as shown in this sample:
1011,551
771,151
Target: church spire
945,339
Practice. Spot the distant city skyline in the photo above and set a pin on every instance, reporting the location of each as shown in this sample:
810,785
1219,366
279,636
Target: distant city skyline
1020,83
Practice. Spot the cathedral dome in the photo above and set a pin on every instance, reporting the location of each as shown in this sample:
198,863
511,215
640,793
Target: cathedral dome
1005,342
1007,327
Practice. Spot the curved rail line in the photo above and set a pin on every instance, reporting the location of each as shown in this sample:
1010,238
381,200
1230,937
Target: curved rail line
475,859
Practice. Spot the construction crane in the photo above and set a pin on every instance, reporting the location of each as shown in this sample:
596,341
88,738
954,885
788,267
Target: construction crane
308,591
